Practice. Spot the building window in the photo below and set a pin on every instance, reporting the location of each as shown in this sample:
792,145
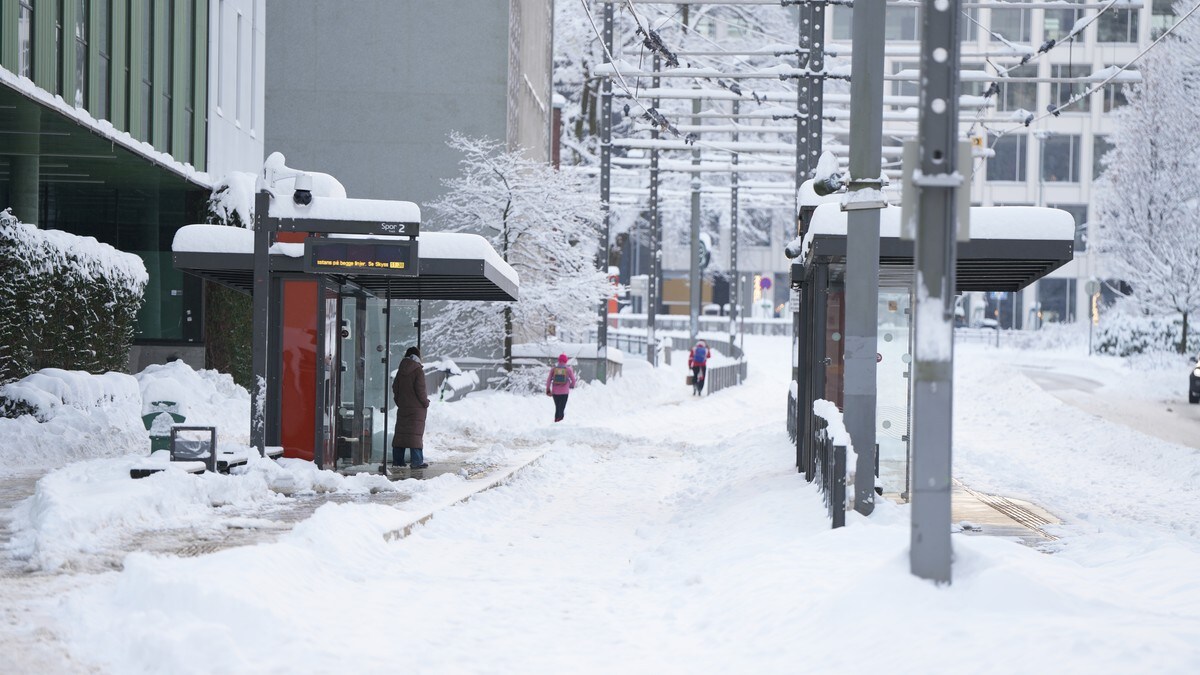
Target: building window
221,49
81,52
1061,92
1057,24
25,39
104,79
902,23
1019,95
1114,95
974,79
1162,16
905,87
1060,158
237,92
1100,147
1056,300
968,25
1080,213
147,101
253,63
1118,25
841,19
59,47
168,85
1012,24
1008,160
130,97
189,97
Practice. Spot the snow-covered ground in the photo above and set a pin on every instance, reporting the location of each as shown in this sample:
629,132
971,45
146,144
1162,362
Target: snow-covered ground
663,533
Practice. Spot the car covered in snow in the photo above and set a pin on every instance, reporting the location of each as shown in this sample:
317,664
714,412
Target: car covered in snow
1194,383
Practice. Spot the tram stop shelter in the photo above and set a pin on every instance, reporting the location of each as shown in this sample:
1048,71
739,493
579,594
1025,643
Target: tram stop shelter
1009,248
338,296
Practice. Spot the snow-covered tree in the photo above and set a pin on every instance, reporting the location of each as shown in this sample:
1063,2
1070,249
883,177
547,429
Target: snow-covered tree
546,224
1148,201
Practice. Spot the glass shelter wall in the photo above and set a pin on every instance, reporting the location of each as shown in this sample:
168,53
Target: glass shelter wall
892,378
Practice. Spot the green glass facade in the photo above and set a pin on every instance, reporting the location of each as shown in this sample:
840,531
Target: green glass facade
140,65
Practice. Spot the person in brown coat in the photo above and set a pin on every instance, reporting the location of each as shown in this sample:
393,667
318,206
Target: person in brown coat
408,390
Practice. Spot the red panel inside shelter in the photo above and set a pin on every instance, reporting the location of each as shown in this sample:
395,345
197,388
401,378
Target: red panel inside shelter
298,379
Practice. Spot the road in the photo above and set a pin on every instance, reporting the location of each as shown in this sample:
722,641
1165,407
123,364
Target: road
1175,421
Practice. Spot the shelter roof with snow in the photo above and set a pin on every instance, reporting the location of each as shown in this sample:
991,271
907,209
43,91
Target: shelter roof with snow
1010,246
452,266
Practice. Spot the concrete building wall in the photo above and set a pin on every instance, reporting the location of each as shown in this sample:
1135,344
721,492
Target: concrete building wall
236,57
531,56
369,91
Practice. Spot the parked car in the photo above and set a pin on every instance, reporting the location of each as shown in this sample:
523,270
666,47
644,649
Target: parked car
1194,383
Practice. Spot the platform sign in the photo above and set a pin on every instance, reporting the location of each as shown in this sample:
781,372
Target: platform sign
348,227
384,257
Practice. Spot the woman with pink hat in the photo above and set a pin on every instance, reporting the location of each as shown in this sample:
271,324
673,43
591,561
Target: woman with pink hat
559,383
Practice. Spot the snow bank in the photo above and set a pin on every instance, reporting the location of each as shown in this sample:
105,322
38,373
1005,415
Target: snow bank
204,397
92,506
74,415
661,533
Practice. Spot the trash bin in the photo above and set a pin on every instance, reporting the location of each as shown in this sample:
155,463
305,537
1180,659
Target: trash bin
159,417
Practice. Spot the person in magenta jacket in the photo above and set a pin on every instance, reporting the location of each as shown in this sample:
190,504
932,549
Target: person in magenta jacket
559,384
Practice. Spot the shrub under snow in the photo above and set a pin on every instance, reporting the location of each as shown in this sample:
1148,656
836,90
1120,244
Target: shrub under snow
67,301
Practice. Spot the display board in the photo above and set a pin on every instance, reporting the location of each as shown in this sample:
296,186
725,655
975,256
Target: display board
386,257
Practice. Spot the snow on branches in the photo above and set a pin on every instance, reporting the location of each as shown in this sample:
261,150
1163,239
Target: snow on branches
1147,201
545,223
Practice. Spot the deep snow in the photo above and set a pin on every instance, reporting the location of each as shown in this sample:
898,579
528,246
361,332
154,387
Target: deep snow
664,533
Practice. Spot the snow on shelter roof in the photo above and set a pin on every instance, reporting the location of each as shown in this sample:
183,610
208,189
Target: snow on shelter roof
1010,246
987,222
332,208
451,262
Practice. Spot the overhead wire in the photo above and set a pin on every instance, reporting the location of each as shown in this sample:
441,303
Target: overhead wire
650,112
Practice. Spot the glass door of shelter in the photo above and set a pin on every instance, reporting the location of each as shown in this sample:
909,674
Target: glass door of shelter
329,374
353,413
388,332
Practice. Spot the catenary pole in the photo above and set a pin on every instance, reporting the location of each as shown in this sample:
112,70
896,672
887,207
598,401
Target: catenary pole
655,241
605,193
937,184
694,268
735,295
863,203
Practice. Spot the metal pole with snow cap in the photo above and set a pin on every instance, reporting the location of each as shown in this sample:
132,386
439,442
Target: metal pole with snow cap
862,202
937,182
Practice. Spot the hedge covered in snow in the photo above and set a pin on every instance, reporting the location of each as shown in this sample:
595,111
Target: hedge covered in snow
68,302
1125,334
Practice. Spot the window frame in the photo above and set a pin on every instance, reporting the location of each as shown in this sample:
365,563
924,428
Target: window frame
1073,157
1020,161
26,48
83,24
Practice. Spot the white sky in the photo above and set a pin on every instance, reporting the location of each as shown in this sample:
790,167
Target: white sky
663,533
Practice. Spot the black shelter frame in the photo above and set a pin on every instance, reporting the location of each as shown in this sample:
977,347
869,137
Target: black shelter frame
476,279
982,265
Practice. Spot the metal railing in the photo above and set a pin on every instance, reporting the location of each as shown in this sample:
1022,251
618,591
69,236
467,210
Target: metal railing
725,376
708,324
831,471
985,335
791,418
